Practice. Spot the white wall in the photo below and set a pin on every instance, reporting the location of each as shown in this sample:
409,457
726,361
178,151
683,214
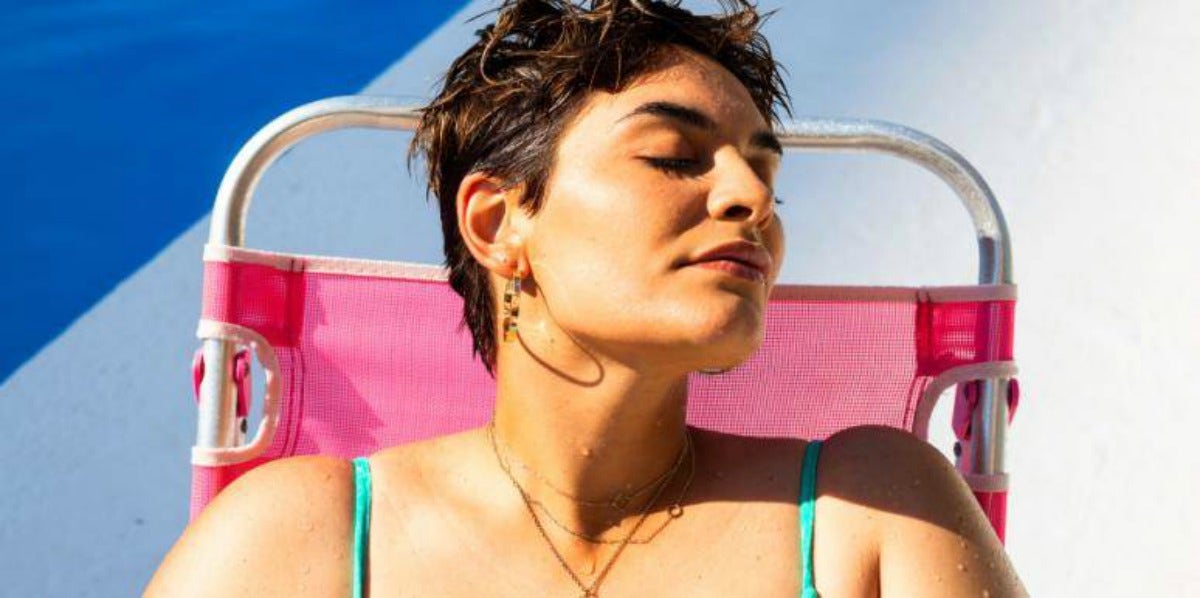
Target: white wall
1081,115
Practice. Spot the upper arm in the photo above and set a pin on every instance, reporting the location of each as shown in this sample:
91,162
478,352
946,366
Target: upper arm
933,539
282,529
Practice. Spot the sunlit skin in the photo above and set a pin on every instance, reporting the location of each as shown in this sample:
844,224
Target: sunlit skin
615,319
614,316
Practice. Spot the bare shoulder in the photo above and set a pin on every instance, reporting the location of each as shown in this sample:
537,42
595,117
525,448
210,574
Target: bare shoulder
881,465
931,536
448,447
281,529
414,468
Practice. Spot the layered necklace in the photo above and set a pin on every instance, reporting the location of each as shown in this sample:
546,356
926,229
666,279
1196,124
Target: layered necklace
619,502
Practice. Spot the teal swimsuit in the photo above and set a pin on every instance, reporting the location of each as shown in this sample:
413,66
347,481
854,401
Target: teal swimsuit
808,497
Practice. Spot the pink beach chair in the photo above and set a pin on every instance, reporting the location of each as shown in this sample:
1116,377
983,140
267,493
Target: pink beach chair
362,354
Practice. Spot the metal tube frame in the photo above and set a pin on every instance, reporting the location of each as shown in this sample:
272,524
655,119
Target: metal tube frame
984,454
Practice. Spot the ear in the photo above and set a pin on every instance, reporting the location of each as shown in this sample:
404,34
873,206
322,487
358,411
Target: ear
491,223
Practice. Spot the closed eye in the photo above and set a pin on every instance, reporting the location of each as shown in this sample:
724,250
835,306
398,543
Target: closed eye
673,165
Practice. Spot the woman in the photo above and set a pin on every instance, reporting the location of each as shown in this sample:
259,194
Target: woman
605,181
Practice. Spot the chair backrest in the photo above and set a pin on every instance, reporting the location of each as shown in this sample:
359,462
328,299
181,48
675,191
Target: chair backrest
361,354
371,354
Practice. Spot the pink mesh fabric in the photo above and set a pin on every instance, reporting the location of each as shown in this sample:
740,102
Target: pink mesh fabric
827,364
370,358
207,482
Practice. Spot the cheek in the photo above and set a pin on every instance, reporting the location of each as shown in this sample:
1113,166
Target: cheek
595,249
603,258
603,253
610,224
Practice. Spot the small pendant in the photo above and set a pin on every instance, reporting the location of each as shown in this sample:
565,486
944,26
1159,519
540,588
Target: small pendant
620,502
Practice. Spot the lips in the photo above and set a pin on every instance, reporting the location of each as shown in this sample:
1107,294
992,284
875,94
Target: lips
744,253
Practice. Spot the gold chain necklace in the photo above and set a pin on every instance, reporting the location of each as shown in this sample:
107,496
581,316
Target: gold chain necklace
675,511
620,501
587,591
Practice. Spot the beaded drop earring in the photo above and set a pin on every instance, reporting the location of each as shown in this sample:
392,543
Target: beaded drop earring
512,307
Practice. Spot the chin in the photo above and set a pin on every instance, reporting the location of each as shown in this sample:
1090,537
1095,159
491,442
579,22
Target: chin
694,333
722,342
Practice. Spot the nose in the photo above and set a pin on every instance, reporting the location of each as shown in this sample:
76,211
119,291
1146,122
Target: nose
739,193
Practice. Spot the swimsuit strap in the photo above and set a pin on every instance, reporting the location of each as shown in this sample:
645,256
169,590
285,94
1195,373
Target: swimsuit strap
808,492
808,499
362,523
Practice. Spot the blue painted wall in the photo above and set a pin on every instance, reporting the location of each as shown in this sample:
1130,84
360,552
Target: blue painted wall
120,118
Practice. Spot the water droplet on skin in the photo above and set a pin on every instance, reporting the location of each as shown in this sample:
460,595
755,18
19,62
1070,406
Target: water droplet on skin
962,567
308,526
585,451
986,594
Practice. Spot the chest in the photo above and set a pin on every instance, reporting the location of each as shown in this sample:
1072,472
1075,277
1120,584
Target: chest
715,549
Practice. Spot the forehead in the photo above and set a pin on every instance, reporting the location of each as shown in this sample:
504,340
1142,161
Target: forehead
685,78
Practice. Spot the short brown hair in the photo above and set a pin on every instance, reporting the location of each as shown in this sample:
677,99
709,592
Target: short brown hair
504,102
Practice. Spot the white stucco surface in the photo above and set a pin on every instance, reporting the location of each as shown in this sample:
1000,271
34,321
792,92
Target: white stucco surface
1080,114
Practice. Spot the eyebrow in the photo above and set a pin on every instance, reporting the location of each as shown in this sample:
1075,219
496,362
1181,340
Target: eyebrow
694,118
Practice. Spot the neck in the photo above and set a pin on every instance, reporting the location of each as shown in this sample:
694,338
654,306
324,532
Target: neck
591,440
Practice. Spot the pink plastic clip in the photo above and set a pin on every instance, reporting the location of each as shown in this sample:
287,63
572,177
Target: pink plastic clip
241,377
965,399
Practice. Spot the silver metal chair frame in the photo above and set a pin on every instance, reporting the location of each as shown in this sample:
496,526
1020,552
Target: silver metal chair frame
983,455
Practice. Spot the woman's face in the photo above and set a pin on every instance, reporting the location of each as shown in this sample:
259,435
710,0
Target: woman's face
645,182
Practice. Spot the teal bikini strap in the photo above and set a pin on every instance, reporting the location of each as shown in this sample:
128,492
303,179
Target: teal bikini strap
362,523
808,499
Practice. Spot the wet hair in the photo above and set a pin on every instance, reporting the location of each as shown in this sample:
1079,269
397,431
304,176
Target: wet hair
504,103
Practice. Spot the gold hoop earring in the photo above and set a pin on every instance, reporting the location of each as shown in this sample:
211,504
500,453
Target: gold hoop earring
512,307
